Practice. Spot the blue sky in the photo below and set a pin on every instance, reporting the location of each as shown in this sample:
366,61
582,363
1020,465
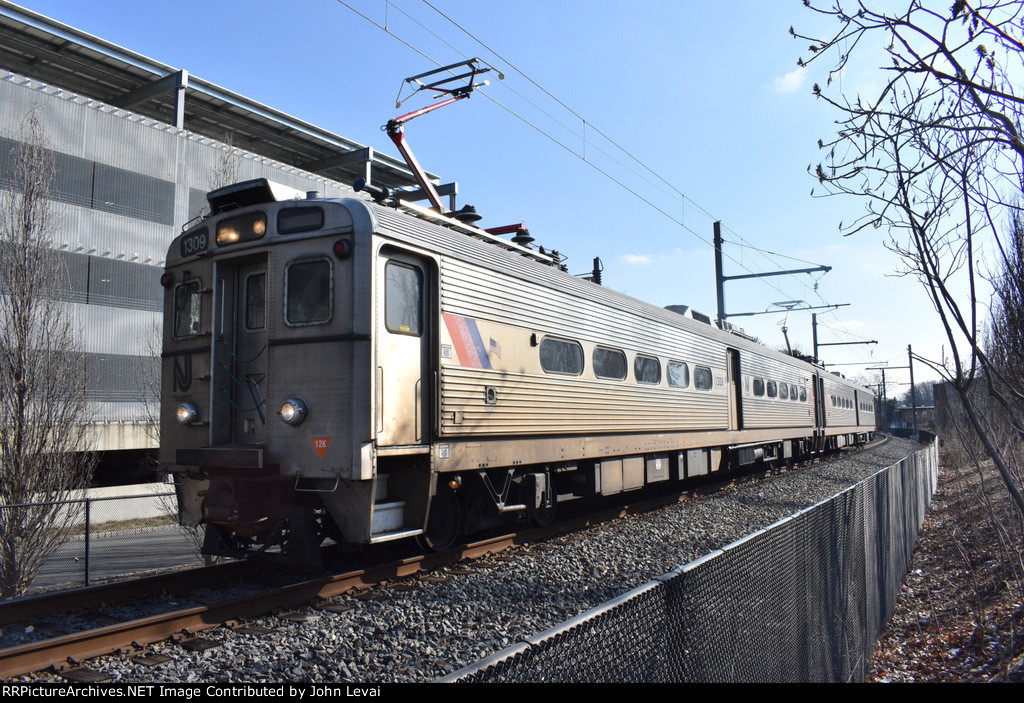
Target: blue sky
705,97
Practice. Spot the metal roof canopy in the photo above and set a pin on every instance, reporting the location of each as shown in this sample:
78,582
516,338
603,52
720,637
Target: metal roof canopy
45,50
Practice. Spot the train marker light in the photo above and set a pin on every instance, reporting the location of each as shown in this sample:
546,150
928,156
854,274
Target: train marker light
343,249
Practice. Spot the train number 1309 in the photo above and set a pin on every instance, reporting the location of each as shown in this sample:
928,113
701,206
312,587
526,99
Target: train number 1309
195,243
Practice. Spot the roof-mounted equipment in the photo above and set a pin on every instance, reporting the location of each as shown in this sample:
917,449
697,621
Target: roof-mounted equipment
443,87
246,193
453,89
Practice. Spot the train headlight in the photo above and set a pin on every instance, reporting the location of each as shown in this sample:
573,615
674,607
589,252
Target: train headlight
187,413
241,229
293,411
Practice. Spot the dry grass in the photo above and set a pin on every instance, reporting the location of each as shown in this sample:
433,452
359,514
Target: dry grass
961,614
121,525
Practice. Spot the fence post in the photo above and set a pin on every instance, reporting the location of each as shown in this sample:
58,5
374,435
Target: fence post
88,503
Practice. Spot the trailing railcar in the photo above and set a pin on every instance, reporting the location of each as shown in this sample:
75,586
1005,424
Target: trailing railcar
347,369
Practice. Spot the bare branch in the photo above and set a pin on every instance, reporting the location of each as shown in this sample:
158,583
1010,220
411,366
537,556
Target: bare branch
934,156
42,389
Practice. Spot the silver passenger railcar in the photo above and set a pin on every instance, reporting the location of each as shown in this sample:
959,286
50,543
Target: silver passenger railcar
346,369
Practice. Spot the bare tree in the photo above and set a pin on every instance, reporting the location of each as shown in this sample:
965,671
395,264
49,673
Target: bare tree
923,394
149,397
937,158
1006,333
42,390
224,170
1005,343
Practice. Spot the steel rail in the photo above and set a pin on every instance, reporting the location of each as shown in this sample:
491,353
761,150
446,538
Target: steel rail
54,602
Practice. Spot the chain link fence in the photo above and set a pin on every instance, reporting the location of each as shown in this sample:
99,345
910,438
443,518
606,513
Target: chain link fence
110,538
801,601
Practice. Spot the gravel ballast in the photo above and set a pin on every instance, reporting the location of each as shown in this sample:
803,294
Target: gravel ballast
442,625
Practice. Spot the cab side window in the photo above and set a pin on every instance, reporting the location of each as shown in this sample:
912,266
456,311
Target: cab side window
187,309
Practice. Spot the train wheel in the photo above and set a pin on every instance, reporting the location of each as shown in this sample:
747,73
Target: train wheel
444,524
542,516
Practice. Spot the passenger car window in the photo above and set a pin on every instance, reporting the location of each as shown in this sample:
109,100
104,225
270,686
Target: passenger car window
703,379
646,369
678,374
758,386
609,363
561,356
773,389
308,292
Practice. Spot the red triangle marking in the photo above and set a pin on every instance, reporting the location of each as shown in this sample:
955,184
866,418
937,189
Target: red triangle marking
320,443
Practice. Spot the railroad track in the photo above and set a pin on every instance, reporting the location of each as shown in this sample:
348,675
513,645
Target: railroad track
67,652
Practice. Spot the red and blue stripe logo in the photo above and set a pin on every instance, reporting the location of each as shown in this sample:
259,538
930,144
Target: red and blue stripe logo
469,345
